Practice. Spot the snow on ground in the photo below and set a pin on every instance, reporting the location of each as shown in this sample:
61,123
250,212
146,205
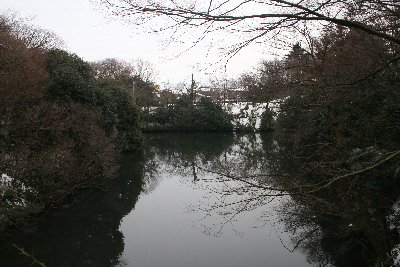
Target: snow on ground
16,189
248,114
394,225
5,183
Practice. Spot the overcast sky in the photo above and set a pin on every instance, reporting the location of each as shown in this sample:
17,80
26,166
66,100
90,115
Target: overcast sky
93,35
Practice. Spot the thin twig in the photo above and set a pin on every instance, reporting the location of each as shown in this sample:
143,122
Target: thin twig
26,254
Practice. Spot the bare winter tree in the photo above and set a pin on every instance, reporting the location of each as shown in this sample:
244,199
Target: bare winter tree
32,36
253,21
111,68
341,128
143,69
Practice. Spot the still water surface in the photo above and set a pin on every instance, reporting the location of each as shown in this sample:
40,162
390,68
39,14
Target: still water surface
170,206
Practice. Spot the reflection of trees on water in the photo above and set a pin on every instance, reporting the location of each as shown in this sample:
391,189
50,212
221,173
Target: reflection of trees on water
345,229
347,223
215,151
202,158
86,233
178,153
350,223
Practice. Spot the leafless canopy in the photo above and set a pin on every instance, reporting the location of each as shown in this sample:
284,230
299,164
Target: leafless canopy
257,20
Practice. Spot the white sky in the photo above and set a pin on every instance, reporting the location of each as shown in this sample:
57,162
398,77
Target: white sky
93,35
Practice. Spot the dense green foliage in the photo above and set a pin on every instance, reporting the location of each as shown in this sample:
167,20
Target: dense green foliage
70,78
267,121
61,127
341,95
187,116
338,134
125,112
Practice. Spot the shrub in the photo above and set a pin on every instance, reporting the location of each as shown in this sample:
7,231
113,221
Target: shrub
186,116
267,121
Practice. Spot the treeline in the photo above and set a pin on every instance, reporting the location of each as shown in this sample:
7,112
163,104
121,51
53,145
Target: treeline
61,125
63,121
338,135
185,115
342,90
338,144
163,110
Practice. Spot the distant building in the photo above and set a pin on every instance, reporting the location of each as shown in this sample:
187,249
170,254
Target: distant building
221,94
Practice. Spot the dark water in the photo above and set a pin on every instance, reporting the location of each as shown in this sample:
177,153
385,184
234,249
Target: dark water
171,206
